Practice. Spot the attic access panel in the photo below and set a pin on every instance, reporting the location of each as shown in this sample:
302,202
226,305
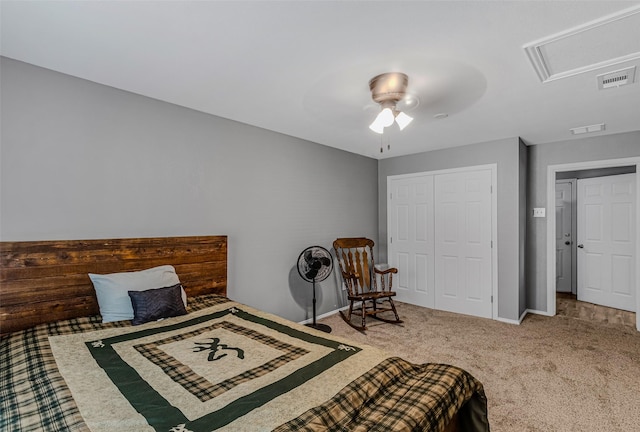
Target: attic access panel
607,41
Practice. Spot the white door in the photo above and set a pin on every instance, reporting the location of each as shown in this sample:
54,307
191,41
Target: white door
463,265
411,238
606,241
563,237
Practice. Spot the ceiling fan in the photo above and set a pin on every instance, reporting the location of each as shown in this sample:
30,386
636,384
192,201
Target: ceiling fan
388,89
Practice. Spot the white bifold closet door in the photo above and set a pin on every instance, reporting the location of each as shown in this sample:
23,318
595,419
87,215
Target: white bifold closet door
463,265
411,249
440,230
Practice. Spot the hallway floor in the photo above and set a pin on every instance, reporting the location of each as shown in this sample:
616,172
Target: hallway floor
568,305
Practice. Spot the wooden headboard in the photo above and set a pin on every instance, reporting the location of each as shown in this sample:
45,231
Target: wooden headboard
46,281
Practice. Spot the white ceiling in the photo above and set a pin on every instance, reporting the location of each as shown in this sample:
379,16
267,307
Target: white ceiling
302,67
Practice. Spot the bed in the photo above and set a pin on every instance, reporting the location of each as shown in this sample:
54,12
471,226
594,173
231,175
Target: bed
216,365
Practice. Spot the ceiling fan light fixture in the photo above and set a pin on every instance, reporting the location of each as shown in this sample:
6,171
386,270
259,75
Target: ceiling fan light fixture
388,89
403,120
377,128
384,119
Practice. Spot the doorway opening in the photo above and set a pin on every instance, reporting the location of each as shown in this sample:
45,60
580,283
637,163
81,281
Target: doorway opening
594,168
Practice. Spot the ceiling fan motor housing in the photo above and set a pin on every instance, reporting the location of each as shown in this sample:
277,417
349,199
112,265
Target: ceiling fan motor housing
388,88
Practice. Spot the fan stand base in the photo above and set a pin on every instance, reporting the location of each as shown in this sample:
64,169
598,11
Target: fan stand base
322,327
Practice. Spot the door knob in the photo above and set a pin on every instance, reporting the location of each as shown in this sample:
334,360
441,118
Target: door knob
567,242
581,246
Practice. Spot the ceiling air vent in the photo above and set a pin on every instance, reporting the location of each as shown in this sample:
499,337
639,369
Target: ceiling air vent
607,41
617,78
587,129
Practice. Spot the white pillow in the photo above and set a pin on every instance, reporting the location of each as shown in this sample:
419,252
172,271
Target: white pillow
112,289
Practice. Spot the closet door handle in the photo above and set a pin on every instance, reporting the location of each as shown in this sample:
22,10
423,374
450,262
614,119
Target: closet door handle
581,246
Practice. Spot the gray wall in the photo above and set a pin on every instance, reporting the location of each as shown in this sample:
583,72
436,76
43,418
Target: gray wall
80,161
523,177
506,154
540,157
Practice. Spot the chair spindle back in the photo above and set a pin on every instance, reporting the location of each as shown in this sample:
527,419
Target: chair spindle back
355,257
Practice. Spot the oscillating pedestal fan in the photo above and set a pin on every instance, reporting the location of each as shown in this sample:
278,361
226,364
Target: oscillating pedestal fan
315,265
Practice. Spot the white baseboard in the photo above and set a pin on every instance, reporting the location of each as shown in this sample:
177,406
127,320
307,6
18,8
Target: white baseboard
524,314
512,321
504,320
538,312
508,321
324,315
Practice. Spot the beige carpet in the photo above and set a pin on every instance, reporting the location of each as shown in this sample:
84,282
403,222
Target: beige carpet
547,374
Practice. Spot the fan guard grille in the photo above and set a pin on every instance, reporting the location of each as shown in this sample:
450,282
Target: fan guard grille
315,264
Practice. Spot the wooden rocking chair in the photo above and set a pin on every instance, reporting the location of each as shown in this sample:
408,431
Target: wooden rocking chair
357,266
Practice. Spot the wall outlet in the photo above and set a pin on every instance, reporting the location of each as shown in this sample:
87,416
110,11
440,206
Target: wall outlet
539,212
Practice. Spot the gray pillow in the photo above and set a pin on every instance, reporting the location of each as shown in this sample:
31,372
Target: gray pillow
111,289
154,304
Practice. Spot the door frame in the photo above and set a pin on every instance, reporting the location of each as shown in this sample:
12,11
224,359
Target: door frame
551,223
494,219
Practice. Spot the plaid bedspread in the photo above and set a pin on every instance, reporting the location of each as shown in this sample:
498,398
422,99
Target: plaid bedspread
395,395
400,396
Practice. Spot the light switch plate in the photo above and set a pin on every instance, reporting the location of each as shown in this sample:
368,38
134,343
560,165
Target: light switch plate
539,212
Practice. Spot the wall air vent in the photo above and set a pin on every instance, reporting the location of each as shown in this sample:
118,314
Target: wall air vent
617,78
